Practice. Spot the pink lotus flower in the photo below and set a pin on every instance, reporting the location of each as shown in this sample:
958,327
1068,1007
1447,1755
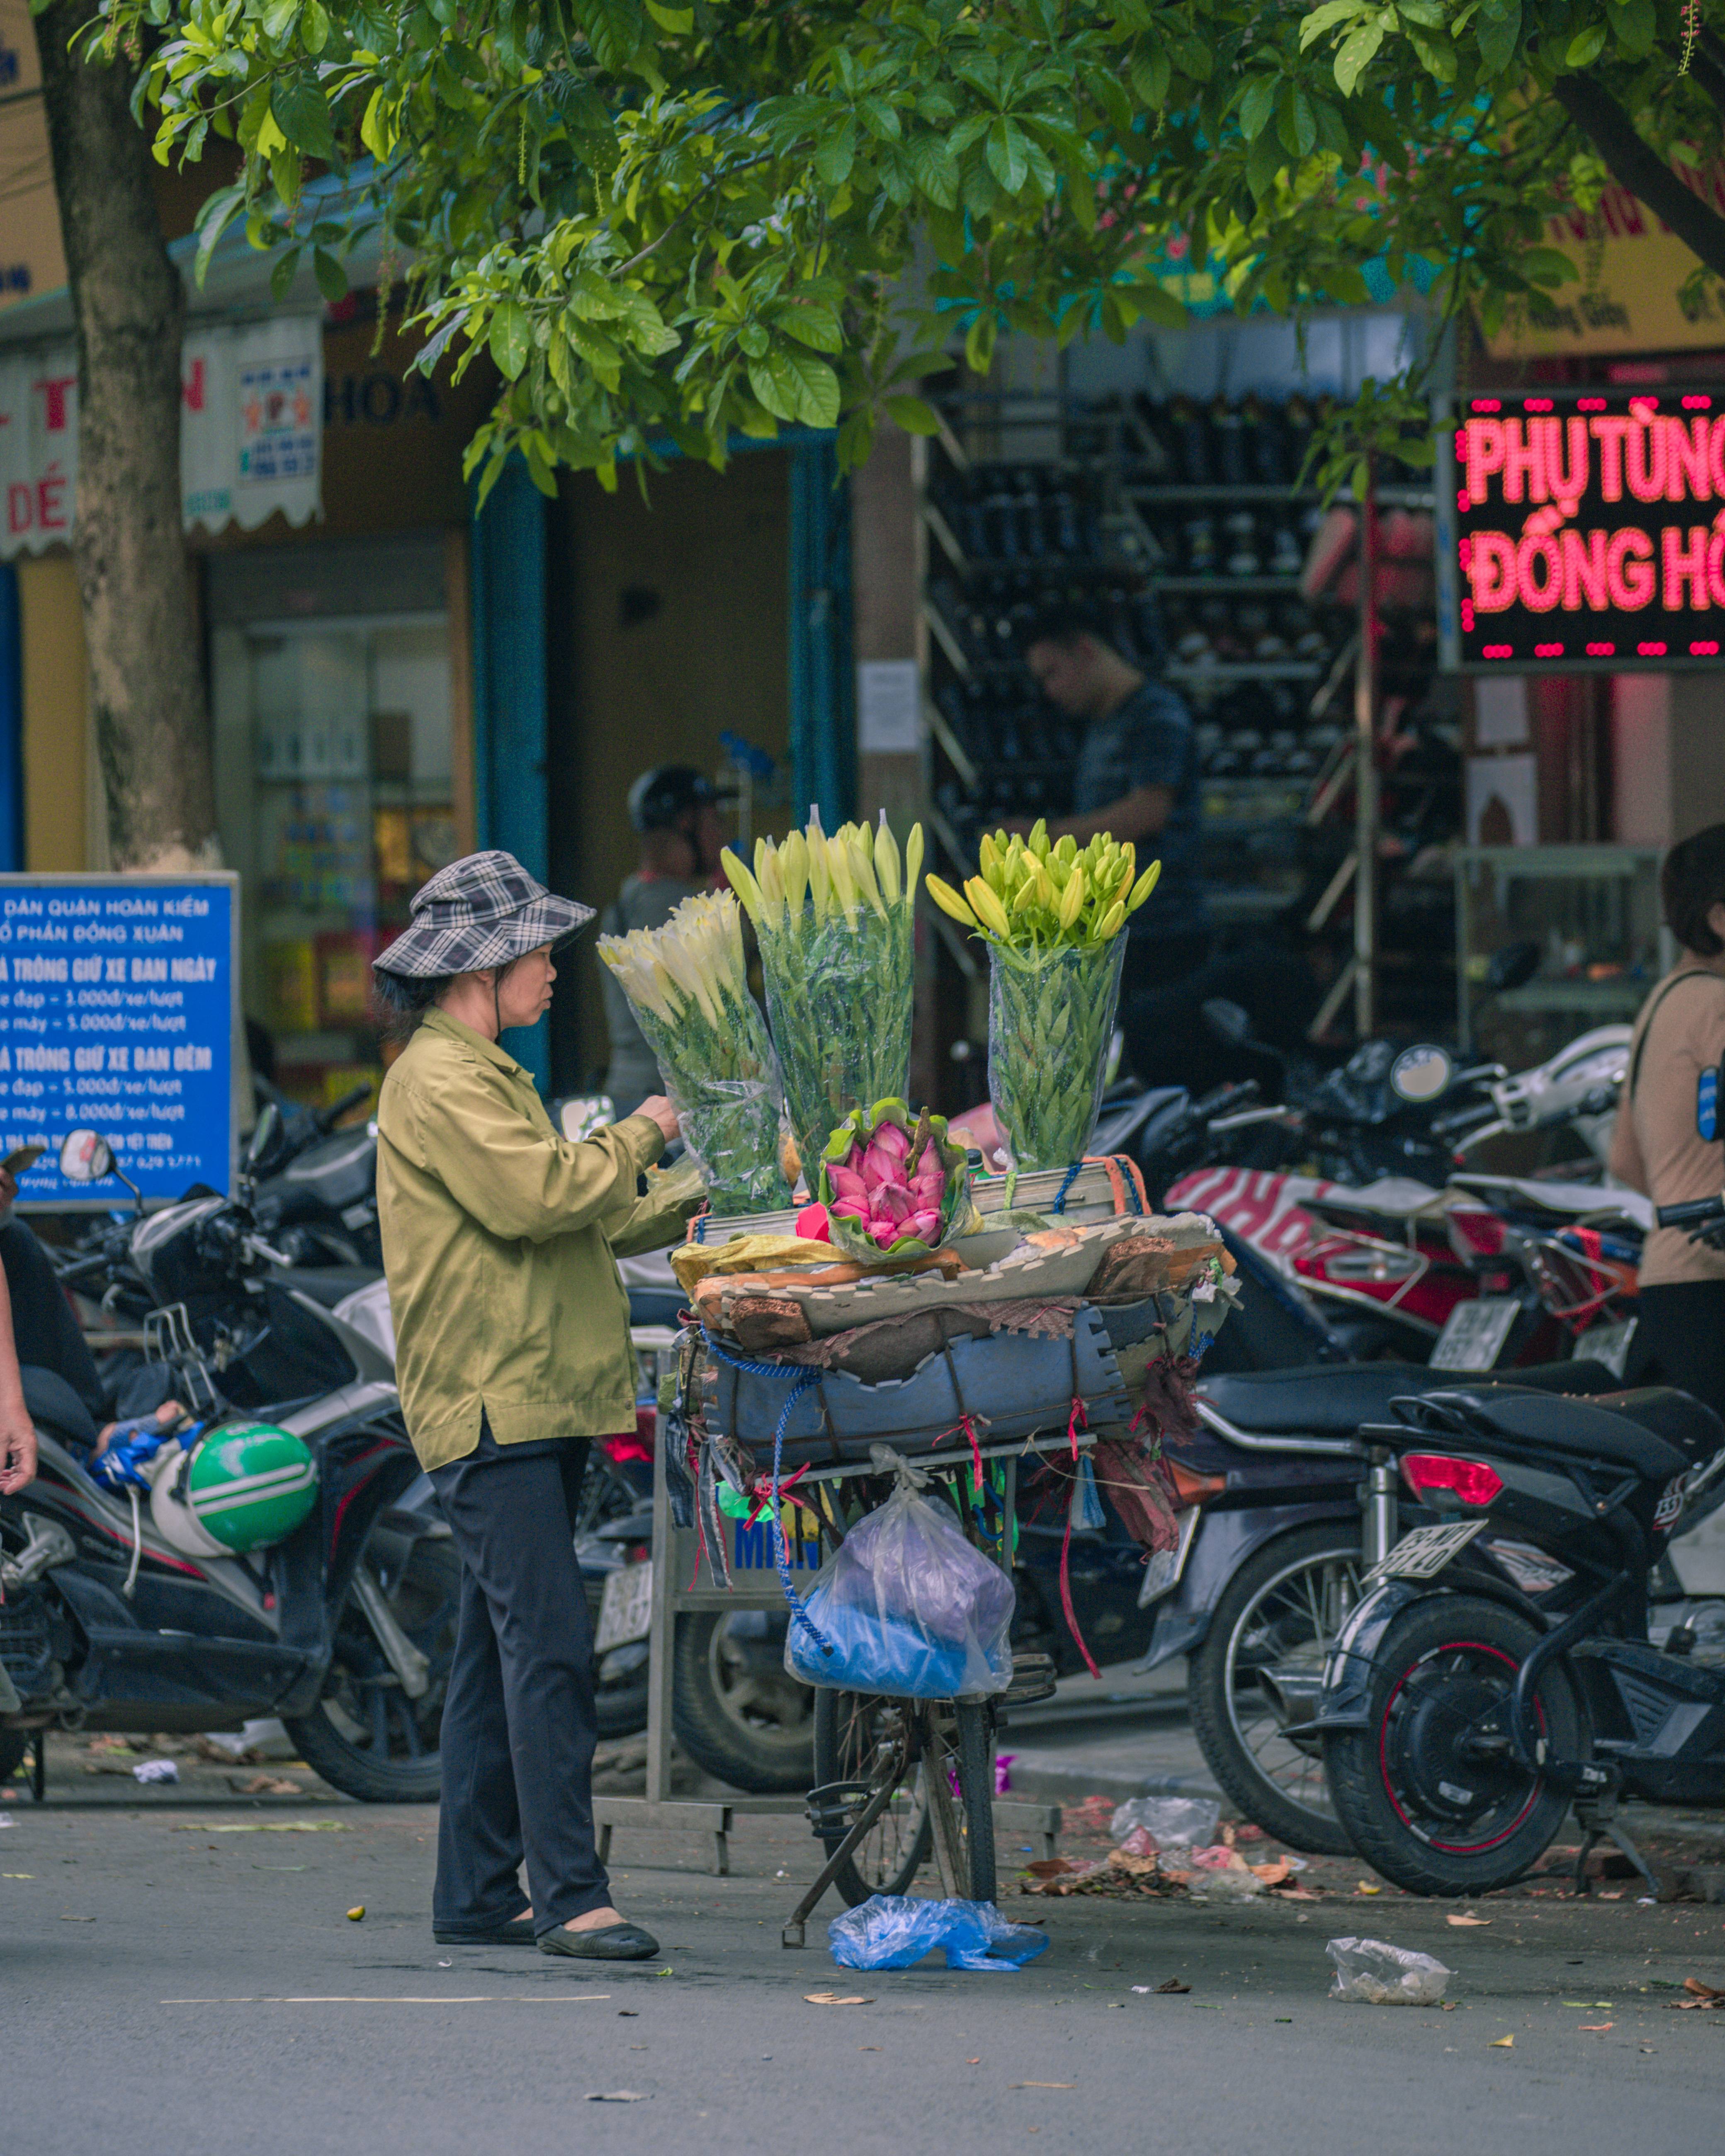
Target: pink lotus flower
850,1208
925,1225
880,1165
886,1233
892,1202
892,1141
845,1181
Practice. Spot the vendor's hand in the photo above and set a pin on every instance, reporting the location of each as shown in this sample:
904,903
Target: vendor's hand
658,1110
17,1448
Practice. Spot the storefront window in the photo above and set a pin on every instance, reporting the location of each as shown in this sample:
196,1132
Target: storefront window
333,771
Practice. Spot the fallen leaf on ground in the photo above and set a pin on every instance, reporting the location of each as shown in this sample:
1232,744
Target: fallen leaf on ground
266,1785
1056,1867
1596,2027
1503,2043
1467,1917
1173,1983
832,1998
972,2062
1297,1894
1701,1995
77,1920
1136,1868
1273,1875
616,2096
1042,2084
1365,1887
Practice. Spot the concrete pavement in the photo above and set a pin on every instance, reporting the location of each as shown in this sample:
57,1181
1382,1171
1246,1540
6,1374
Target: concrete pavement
174,1987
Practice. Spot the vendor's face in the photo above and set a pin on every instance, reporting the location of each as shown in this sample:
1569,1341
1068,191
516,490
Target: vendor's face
524,993
1065,673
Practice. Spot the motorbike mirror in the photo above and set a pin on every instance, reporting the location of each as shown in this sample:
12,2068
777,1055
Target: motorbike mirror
1227,1020
1421,1073
263,1133
85,1157
1512,967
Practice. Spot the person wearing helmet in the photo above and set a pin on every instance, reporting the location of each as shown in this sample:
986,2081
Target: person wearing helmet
513,1352
674,808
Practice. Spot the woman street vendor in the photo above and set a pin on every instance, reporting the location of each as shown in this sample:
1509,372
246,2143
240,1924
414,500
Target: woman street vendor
513,1352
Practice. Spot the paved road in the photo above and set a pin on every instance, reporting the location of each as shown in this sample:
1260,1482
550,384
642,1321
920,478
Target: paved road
169,1989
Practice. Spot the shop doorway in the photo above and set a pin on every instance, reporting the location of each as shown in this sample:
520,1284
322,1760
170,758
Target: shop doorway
666,628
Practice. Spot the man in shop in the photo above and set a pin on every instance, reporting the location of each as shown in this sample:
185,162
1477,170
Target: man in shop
1137,778
675,810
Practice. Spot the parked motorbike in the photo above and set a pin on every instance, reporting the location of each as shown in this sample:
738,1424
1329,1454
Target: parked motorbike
344,1628
1501,1669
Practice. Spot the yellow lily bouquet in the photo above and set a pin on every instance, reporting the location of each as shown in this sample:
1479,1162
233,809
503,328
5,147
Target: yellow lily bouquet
1050,914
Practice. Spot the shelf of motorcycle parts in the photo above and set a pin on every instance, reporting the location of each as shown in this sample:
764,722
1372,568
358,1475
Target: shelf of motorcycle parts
1386,497
1255,670
1245,586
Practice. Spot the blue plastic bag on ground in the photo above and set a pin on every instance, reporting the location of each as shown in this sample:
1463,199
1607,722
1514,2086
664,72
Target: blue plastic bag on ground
892,1931
905,1606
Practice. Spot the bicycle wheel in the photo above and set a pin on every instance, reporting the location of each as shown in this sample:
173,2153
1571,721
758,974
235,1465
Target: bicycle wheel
860,1737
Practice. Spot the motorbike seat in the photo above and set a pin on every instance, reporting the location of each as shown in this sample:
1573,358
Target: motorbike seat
1330,1399
1655,1431
327,1285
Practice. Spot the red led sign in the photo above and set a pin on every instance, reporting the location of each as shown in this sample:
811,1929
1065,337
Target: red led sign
1589,532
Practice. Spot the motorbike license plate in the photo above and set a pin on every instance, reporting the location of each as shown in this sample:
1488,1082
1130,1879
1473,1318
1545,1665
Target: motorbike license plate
626,1608
1609,1344
1424,1552
1474,1334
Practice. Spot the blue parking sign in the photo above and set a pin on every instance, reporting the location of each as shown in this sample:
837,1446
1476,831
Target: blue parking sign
119,1003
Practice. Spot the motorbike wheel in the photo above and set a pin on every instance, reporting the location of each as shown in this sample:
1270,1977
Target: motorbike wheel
1428,1790
1274,1623
365,1736
739,1712
859,1736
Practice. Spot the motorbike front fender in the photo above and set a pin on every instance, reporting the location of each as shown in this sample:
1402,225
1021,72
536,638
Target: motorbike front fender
1224,1541
1349,1667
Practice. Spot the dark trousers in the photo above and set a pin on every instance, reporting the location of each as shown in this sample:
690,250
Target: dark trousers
1681,1339
43,1325
519,1727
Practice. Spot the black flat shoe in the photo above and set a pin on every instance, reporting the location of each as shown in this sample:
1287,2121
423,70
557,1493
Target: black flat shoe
613,1943
517,1933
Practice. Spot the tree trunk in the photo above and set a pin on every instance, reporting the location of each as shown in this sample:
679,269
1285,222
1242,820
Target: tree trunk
1647,175
146,676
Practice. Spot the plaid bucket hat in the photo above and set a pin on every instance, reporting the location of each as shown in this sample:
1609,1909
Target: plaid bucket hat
481,911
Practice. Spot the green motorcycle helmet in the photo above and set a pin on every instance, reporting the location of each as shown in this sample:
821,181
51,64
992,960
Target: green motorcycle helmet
241,1487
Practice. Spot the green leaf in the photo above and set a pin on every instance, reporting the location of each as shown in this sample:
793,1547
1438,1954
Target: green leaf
1586,48
376,131
614,29
836,155
1264,161
1635,24
1151,303
678,21
1359,50
510,338
277,19
1296,123
1151,73
912,415
1500,32
217,214
302,113
1257,105
779,398
331,277
282,273
314,26
817,386
814,326
1005,153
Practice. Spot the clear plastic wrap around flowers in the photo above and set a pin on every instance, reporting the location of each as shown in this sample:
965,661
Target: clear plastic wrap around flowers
687,989
1051,1018
835,917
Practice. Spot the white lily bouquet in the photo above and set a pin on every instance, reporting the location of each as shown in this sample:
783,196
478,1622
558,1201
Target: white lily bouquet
687,985
835,915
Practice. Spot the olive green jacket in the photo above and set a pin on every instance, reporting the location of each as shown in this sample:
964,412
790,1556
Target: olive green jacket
499,1238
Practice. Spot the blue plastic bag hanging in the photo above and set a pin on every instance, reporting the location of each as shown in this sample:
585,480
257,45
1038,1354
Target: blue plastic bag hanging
906,1607
892,1931
1085,1512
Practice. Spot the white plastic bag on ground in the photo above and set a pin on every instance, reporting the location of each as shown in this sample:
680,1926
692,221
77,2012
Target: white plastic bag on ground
1383,1975
1173,1822
1229,1885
